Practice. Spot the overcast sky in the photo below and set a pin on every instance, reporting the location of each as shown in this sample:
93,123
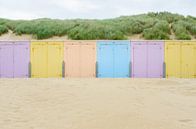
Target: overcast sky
68,9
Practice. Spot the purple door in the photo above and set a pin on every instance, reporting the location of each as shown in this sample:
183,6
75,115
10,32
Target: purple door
21,59
6,61
14,59
147,59
139,59
155,59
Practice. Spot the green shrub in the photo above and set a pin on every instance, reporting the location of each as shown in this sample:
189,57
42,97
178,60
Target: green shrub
162,26
3,29
154,33
169,17
181,31
160,30
13,24
183,36
91,31
193,30
3,21
136,27
24,28
44,28
152,25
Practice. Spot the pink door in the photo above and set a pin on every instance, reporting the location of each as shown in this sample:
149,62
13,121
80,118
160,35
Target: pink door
139,59
155,59
147,59
14,59
21,59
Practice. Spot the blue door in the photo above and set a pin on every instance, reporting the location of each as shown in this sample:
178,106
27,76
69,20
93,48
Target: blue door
122,59
113,59
105,57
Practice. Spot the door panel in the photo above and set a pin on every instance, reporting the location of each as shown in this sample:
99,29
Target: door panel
21,60
139,57
172,58
39,60
87,60
194,58
105,60
187,57
6,61
55,59
155,60
72,61
121,60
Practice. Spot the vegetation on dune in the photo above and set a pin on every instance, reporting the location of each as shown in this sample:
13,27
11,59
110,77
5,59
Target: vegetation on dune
181,31
151,26
160,30
3,29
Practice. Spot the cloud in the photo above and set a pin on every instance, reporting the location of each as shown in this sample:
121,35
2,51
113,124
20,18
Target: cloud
76,6
16,14
63,9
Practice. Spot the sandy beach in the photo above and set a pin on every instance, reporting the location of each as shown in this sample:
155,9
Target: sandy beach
97,104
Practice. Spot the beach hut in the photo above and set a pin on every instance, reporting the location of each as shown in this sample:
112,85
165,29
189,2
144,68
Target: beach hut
80,59
113,59
47,59
180,59
14,59
147,59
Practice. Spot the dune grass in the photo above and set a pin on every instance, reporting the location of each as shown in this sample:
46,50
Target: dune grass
151,26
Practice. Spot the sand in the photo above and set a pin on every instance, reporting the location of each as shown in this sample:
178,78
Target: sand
97,104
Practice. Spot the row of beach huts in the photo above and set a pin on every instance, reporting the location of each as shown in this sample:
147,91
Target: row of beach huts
102,59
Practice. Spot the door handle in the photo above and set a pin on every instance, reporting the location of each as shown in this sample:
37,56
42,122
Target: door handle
130,69
96,65
164,70
29,69
63,69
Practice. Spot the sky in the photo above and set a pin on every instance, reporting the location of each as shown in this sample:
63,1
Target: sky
91,9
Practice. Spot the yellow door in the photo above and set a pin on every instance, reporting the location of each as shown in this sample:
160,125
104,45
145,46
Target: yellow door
38,59
172,59
55,59
188,60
